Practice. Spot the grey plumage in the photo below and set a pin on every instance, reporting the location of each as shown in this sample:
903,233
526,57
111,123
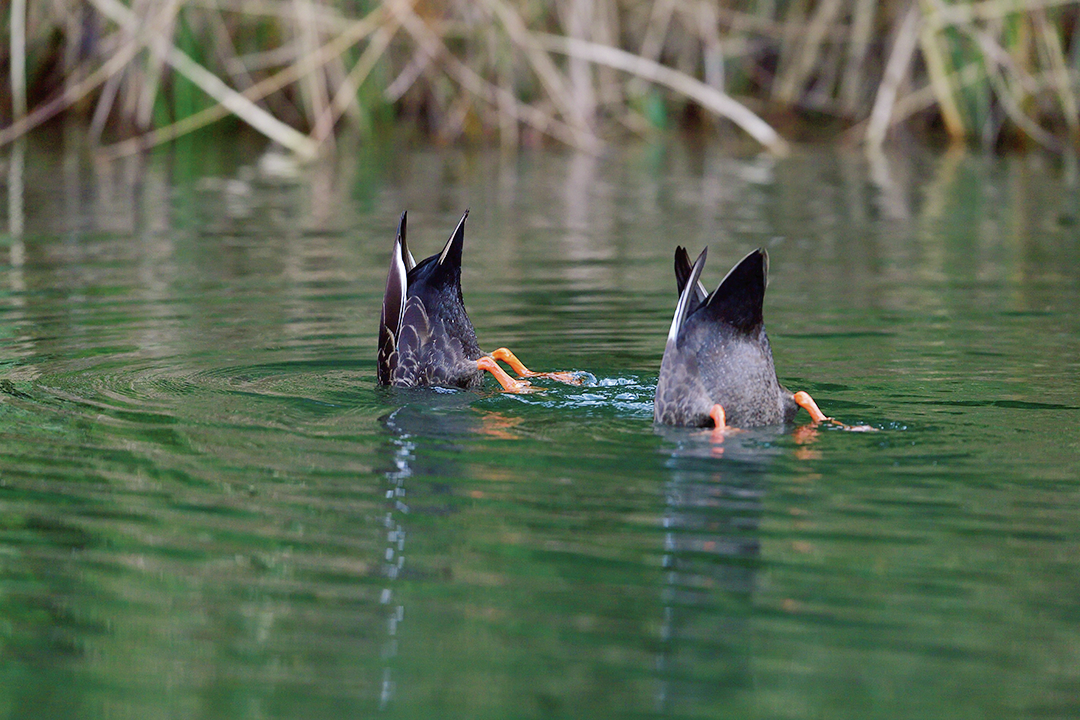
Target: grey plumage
717,351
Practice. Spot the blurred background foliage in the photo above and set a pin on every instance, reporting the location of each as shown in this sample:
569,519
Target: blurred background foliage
999,73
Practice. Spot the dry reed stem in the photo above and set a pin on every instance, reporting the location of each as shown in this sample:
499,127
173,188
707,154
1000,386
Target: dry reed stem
578,24
919,100
861,30
710,98
653,41
895,71
18,58
380,41
213,86
1059,70
158,43
605,30
826,62
659,21
73,93
797,72
154,28
794,25
509,135
408,75
550,77
434,47
263,59
970,14
354,33
713,46
237,71
937,67
104,106
782,31
923,98
327,19
312,82
997,63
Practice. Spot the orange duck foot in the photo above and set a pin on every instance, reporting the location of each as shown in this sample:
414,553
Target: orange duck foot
804,400
570,378
720,428
509,384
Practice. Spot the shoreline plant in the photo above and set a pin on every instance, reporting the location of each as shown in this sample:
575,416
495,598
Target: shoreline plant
579,72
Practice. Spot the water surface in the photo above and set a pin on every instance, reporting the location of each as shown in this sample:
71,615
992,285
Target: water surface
207,508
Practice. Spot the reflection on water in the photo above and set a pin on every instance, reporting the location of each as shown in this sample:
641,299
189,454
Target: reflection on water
207,507
397,510
711,555
425,433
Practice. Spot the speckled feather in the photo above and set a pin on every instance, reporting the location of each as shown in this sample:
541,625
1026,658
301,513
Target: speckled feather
717,351
425,335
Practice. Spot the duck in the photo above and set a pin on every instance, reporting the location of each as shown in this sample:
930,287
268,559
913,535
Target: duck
717,369
425,335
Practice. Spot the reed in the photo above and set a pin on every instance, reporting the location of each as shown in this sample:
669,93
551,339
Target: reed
580,72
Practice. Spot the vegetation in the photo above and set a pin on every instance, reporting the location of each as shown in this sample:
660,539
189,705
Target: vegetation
578,71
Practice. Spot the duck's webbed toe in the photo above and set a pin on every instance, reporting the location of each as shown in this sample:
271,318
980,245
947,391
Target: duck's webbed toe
569,377
509,384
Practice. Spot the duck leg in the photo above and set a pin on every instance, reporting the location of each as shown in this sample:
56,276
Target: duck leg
570,378
509,384
803,400
719,430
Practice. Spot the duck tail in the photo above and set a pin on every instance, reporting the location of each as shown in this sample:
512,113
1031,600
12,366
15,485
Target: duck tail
739,297
682,274
687,296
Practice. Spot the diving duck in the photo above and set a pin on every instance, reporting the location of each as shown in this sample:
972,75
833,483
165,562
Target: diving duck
425,335
718,367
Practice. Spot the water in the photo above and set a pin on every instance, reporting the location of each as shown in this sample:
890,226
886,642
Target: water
207,508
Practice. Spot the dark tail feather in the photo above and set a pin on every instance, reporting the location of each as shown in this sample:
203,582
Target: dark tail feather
682,274
406,256
393,304
682,267
451,252
739,298
686,297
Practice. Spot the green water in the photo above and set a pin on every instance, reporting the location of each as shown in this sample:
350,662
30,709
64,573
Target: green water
208,510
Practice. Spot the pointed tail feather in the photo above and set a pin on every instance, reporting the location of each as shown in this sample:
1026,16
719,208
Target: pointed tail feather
682,274
739,298
687,297
393,305
451,252
406,256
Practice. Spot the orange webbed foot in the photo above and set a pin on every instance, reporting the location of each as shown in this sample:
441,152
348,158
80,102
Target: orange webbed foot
570,378
803,400
720,428
508,383
719,417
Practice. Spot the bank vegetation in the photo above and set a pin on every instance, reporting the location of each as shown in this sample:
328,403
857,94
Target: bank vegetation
578,72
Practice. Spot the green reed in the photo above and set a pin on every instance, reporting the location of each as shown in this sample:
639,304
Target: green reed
519,71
